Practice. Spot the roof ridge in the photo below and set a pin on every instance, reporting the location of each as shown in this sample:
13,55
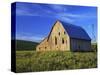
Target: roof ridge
70,24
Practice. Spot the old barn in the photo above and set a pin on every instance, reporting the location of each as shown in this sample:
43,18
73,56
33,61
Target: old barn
65,37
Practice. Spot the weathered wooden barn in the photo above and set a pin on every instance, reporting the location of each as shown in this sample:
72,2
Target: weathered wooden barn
65,37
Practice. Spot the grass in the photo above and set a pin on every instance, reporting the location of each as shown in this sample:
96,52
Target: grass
32,61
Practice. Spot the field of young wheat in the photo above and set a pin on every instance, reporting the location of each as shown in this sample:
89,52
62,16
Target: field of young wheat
32,61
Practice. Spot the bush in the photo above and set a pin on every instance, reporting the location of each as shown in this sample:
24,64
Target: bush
94,47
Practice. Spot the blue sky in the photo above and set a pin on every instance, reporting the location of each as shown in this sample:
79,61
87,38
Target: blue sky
34,20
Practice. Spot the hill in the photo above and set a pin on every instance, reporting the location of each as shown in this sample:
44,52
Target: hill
25,45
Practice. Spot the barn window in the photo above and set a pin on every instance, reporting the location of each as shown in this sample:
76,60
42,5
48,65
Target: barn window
62,40
55,40
64,32
47,39
59,33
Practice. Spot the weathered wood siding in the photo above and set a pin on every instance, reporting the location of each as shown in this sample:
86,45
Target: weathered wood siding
58,40
80,45
43,46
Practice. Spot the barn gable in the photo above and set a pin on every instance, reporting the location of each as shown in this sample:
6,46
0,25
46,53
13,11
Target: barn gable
58,34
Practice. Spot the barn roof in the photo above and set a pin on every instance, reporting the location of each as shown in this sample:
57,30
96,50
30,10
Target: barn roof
75,31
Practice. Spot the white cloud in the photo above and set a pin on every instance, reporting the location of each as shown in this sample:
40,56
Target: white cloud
58,7
84,15
26,13
30,38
